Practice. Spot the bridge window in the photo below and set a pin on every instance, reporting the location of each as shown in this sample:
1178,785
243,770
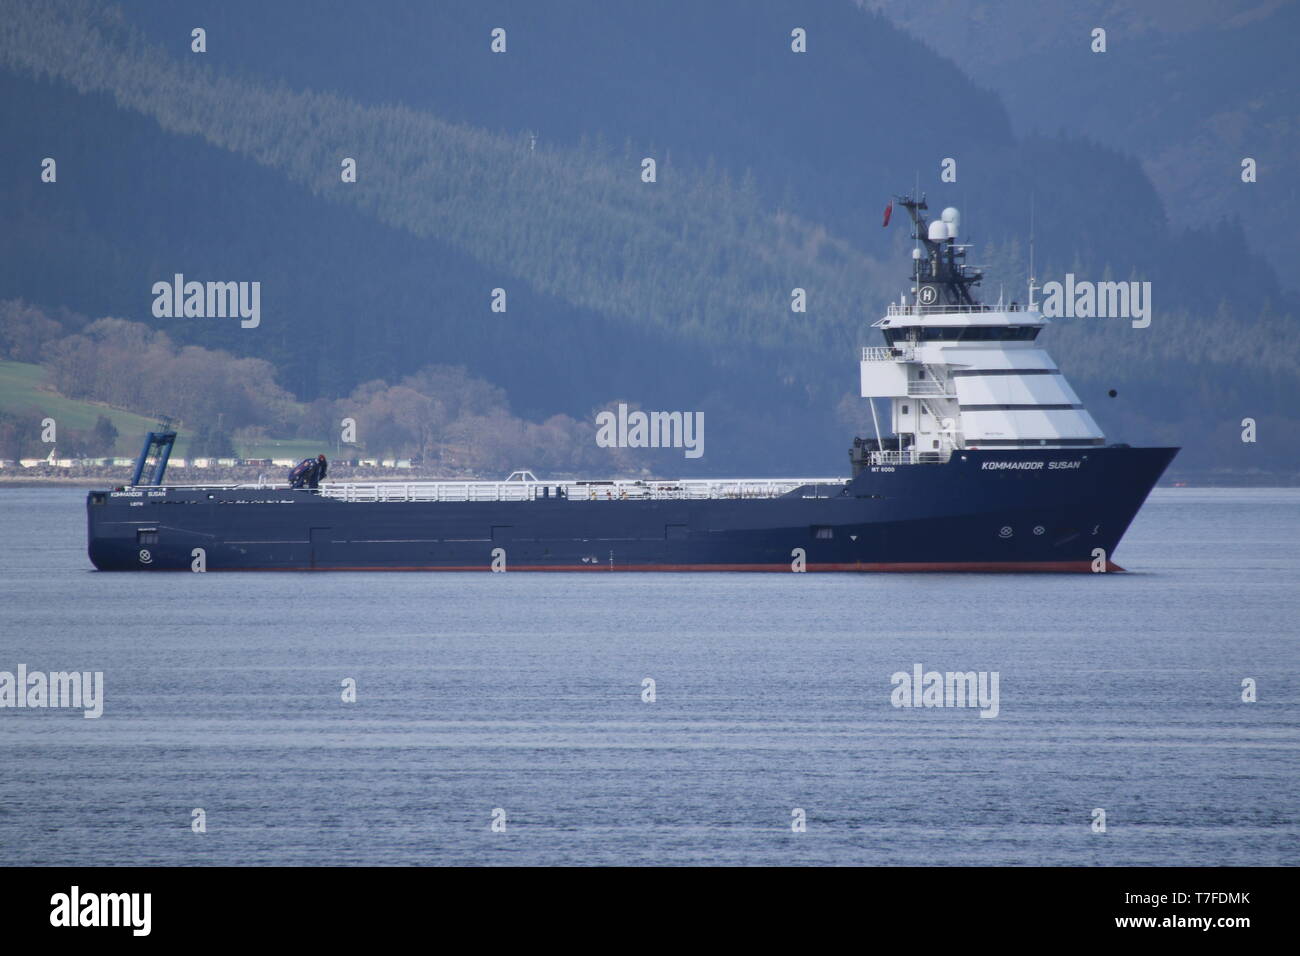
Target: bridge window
962,333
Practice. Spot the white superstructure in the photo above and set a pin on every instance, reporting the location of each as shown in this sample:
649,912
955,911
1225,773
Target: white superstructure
958,374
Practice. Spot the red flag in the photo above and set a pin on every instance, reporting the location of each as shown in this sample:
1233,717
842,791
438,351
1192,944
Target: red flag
889,211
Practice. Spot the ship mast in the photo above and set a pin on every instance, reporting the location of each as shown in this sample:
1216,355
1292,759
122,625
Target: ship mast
940,274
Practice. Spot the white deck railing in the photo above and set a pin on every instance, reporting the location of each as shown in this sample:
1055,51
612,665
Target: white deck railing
573,490
886,353
529,490
897,309
928,388
909,457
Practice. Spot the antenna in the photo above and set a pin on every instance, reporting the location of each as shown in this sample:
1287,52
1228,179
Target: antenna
916,241
1032,287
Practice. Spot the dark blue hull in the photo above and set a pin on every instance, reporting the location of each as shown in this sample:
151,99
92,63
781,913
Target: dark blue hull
1046,510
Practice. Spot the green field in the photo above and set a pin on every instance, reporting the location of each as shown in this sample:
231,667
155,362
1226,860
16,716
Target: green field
21,391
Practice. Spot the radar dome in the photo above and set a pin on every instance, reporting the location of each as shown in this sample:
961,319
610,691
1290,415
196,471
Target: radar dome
953,218
938,231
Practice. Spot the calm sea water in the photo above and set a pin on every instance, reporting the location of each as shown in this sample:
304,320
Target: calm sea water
523,692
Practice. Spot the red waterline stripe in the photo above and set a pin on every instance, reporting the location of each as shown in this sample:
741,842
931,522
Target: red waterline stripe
1076,567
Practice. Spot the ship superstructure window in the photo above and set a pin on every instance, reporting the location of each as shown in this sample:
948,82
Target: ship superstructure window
1018,408
962,333
967,372
1018,442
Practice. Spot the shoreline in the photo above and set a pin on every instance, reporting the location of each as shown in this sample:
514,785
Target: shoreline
1190,482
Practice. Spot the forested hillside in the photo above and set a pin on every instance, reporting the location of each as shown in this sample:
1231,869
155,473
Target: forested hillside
1214,81
521,171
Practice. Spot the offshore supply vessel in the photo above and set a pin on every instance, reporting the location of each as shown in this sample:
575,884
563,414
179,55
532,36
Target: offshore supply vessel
988,461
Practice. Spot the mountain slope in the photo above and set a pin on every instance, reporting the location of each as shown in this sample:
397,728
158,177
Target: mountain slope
676,293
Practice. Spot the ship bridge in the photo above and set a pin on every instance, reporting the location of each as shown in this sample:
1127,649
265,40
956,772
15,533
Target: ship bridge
960,374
